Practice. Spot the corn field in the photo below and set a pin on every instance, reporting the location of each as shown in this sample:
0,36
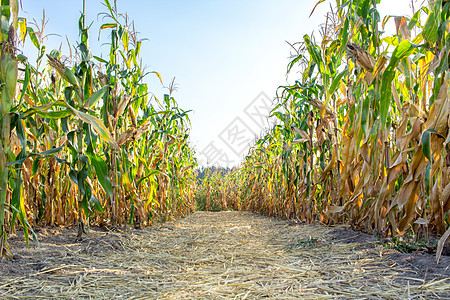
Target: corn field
363,134
82,141
210,193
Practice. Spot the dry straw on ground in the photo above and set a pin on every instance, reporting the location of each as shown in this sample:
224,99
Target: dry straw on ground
226,255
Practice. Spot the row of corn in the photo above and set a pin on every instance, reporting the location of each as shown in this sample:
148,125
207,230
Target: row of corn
82,141
363,134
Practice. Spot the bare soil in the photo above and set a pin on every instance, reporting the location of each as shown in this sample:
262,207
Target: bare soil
223,255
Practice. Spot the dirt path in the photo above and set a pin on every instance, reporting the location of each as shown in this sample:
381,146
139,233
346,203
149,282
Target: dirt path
221,255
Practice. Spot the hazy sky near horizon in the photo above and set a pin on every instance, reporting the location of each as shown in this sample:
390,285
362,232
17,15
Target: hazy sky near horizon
228,57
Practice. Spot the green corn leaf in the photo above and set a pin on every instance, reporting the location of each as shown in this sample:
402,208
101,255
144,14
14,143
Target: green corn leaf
15,198
26,81
414,20
73,176
293,62
100,59
153,172
33,37
41,109
125,39
364,116
344,38
20,130
404,49
18,202
55,115
426,142
428,178
35,167
96,204
41,154
27,227
85,205
96,97
111,10
49,152
81,179
336,82
363,9
314,52
133,55
98,127
101,170
430,30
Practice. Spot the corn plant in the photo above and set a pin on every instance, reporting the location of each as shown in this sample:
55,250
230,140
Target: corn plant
11,203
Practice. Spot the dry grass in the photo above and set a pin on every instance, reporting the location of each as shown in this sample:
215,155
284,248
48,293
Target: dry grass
217,256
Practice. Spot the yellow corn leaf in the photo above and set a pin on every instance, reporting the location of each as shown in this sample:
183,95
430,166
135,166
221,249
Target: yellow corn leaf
378,68
406,199
445,198
331,209
402,27
436,208
97,126
441,244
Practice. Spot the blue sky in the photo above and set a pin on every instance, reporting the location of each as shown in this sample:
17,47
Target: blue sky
224,54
